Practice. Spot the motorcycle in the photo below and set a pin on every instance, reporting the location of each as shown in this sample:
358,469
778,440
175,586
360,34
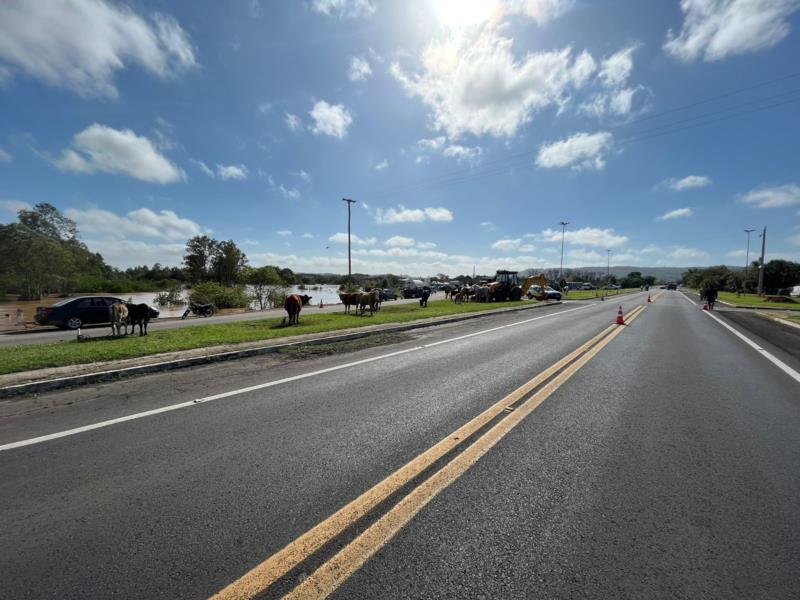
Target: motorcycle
201,310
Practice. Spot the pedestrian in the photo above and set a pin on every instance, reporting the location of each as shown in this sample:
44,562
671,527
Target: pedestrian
423,301
711,297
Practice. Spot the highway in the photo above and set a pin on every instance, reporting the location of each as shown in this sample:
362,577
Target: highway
547,454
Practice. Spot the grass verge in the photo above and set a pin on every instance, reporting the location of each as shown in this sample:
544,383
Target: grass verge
14,359
755,300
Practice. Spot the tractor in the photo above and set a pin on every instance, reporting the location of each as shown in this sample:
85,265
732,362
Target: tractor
506,286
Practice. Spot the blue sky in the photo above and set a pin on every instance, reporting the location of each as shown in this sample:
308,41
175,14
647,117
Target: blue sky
466,130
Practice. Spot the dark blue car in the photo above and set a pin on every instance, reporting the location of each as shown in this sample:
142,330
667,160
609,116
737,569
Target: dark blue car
72,313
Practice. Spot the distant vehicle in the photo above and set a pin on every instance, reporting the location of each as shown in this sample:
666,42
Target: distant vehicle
795,291
412,288
388,294
575,285
612,286
72,313
552,294
588,286
671,285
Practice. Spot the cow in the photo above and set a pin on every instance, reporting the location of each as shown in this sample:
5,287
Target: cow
482,293
293,304
371,299
118,315
349,299
138,314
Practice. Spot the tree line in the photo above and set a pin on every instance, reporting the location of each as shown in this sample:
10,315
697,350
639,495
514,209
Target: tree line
779,276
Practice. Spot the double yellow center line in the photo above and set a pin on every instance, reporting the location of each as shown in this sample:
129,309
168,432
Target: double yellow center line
331,574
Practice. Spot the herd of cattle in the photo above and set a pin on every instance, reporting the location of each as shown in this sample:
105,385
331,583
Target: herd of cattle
122,314
476,293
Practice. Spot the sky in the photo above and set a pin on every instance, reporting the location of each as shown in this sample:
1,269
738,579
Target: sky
466,130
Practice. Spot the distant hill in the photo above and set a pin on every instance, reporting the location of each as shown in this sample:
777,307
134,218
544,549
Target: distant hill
660,273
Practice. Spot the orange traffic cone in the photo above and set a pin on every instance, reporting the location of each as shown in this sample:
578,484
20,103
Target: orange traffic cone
705,306
321,305
620,318
648,298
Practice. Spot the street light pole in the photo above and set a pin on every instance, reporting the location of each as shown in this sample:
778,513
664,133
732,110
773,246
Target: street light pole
349,262
747,259
761,262
561,268
608,267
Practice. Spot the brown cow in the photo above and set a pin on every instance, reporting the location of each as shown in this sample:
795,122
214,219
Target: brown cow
293,304
118,315
348,299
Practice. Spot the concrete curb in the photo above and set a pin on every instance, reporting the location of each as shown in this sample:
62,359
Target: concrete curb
780,320
47,385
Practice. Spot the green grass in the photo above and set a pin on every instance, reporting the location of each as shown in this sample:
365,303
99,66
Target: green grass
582,294
755,300
55,354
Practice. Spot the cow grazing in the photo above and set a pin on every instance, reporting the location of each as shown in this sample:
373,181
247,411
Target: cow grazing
118,315
138,314
293,304
371,299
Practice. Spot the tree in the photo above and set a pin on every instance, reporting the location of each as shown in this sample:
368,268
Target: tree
780,274
46,219
199,252
228,263
34,261
263,282
288,276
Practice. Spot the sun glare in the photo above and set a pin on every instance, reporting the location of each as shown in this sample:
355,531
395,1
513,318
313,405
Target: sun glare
462,13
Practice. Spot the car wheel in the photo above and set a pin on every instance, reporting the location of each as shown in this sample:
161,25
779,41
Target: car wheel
73,323
208,312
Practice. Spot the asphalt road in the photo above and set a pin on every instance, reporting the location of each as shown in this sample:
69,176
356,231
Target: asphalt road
666,466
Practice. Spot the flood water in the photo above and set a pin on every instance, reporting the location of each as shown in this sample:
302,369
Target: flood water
17,315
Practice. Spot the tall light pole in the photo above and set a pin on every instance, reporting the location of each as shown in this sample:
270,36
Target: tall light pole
349,262
747,259
561,268
608,267
761,262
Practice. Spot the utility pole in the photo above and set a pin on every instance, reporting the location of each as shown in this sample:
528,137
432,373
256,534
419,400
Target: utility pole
608,267
561,268
761,262
747,259
349,261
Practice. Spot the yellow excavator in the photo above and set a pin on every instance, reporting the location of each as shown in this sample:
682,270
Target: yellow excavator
506,286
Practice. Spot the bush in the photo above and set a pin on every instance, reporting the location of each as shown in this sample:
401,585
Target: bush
172,297
219,296
276,296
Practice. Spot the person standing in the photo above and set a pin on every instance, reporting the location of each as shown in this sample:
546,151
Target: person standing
711,297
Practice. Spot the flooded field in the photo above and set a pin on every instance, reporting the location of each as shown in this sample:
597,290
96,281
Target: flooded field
17,315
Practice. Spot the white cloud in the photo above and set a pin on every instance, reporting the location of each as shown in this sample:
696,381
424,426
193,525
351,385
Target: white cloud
676,214
14,206
5,156
432,145
463,153
359,69
737,253
290,193
265,107
541,11
293,122
527,248
382,165
330,119
488,225
284,232
588,236
687,254
425,245
203,167
345,9
231,172
82,45
131,253
341,238
580,151
617,68
121,152
399,241
303,176
506,245
688,182
715,29
473,83
773,197
307,236
142,222
402,214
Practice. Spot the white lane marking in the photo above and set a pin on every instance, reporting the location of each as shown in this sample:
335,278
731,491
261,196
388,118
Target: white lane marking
764,352
156,411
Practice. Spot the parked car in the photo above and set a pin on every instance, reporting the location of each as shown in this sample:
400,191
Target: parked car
72,313
551,293
611,286
388,294
588,286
